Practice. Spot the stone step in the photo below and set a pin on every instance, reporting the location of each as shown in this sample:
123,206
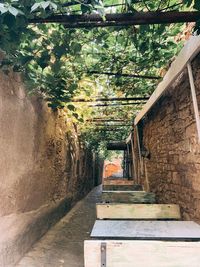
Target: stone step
121,181
138,211
146,230
128,197
135,187
112,253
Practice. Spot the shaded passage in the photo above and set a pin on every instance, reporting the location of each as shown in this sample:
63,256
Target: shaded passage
63,244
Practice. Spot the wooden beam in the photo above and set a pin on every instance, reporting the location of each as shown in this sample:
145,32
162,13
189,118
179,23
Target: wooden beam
118,104
116,146
109,130
188,53
138,211
74,3
194,99
120,181
117,75
107,120
120,19
128,197
128,139
142,253
111,125
109,99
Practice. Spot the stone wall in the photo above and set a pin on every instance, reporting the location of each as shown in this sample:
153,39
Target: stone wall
44,168
169,134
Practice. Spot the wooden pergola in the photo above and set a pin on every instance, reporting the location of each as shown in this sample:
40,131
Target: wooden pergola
120,19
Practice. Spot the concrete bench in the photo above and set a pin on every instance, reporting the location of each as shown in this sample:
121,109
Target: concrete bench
113,253
118,182
134,187
128,197
146,230
138,211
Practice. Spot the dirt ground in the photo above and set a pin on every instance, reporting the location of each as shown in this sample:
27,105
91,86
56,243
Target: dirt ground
62,246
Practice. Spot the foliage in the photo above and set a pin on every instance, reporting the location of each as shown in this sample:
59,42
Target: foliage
56,61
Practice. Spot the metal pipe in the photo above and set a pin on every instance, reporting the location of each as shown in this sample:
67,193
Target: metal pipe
194,99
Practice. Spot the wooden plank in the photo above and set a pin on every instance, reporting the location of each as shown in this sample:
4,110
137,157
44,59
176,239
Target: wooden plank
135,187
189,51
142,254
194,99
146,230
138,211
118,182
128,197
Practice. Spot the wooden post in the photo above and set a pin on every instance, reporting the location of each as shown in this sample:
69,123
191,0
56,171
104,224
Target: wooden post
139,151
128,163
146,177
134,160
188,53
194,99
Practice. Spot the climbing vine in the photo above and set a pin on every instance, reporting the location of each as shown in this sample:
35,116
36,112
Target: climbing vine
57,63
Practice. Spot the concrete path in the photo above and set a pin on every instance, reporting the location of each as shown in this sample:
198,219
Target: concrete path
62,246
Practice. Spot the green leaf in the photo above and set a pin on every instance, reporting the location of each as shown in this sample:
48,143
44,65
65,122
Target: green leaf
85,9
129,2
76,47
26,59
75,115
54,6
197,27
3,9
45,4
35,6
80,119
43,61
188,2
71,107
72,87
9,20
197,4
59,51
14,11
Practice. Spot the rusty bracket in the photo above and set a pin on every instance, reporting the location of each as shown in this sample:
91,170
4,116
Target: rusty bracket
103,254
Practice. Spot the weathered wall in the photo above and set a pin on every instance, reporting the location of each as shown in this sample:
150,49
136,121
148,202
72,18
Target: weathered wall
170,135
113,168
42,161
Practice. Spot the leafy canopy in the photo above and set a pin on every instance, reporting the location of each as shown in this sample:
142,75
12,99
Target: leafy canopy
56,62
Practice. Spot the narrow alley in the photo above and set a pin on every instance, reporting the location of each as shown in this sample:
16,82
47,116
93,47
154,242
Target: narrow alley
100,133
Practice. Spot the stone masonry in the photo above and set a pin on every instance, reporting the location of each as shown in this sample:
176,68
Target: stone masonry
44,168
170,136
